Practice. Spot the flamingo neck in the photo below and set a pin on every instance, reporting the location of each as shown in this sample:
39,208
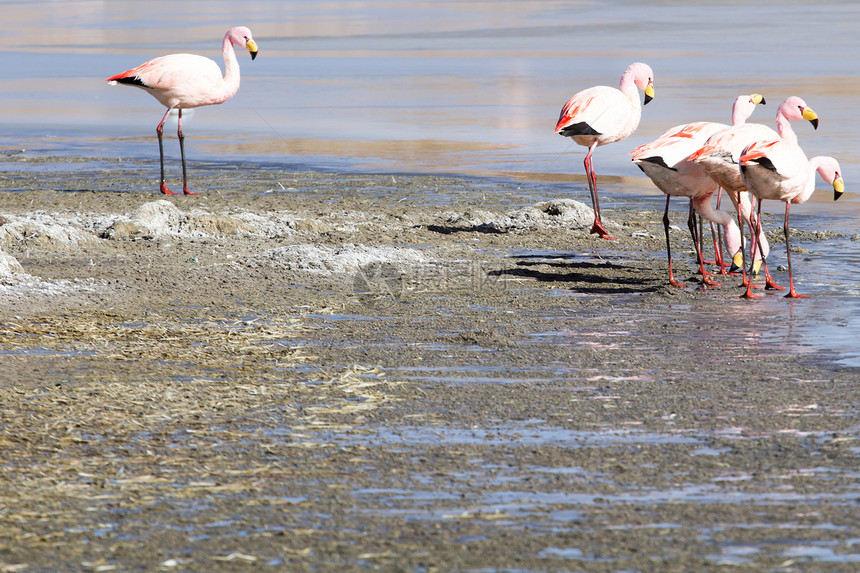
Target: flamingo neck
815,164
741,110
231,68
627,86
783,126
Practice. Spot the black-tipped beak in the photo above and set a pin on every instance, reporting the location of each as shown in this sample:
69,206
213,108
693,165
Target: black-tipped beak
649,92
253,55
814,123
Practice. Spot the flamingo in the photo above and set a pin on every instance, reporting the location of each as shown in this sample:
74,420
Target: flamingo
600,115
778,169
719,158
666,162
186,81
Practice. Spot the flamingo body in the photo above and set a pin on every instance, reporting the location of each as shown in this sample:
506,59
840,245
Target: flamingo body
666,161
186,81
601,115
779,170
720,156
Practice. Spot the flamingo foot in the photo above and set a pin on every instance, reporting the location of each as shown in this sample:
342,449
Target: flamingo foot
748,294
167,191
770,285
187,192
675,283
706,281
793,294
597,229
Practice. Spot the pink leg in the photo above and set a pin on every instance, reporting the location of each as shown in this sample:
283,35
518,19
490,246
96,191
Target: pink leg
754,232
791,293
672,280
768,280
718,238
597,228
697,241
160,131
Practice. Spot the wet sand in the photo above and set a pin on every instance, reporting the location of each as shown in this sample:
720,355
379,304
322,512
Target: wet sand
318,371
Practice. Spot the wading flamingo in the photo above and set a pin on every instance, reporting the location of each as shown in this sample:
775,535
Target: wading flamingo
600,115
778,169
186,81
666,162
721,153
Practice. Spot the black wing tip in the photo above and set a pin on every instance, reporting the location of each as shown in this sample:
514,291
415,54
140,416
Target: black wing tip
581,128
657,160
131,81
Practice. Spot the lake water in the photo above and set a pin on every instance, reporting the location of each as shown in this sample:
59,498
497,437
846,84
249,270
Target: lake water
453,87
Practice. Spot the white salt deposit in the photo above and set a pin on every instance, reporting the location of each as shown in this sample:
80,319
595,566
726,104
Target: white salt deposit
347,258
559,213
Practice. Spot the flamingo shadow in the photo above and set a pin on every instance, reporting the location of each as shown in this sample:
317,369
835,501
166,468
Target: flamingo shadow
584,276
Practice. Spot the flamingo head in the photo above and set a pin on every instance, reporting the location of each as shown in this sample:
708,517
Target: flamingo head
241,36
795,108
643,77
744,107
830,171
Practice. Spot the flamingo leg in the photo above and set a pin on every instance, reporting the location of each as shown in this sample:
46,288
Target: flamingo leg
696,233
702,232
754,234
768,279
791,293
672,280
597,228
182,153
160,132
718,238
743,254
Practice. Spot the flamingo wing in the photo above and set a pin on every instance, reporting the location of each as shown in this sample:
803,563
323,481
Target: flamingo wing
595,111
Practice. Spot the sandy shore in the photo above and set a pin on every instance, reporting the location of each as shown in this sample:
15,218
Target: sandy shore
315,371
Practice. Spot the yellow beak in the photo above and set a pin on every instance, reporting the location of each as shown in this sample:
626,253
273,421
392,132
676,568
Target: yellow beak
838,188
757,99
251,45
810,116
649,93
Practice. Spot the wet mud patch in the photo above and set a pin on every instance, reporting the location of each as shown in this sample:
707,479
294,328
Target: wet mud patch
301,371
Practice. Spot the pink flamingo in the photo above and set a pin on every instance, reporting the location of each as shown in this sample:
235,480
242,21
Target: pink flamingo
778,169
186,81
719,158
600,115
666,162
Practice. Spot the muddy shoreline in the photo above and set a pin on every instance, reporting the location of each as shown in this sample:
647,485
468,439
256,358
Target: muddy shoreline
317,371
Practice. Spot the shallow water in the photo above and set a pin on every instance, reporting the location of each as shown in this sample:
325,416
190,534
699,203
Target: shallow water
465,87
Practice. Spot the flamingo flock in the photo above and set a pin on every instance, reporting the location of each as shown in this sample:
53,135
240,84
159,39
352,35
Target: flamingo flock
749,162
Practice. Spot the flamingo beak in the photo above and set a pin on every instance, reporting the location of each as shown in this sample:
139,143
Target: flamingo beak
756,267
251,45
757,99
810,116
737,262
649,93
838,188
